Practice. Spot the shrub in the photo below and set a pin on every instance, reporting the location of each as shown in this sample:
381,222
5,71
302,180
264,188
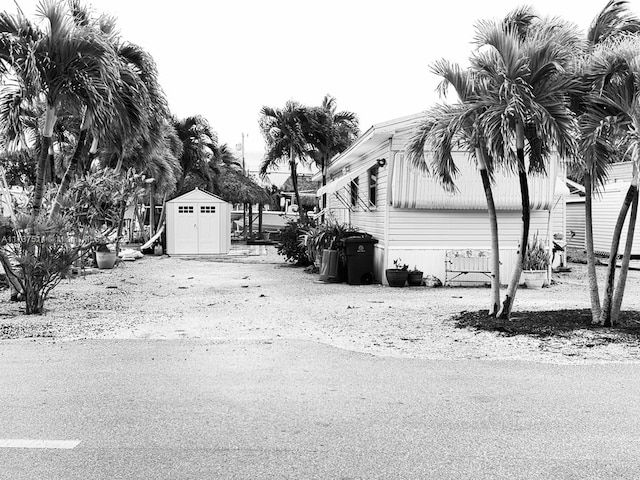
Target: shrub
537,257
329,234
37,256
290,245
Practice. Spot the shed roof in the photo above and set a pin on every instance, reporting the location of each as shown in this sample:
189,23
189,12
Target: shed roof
196,195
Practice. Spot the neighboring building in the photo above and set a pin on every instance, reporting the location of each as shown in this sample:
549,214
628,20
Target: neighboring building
605,208
307,189
373,188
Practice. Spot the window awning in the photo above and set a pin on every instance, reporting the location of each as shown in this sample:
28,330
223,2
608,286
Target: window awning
344,180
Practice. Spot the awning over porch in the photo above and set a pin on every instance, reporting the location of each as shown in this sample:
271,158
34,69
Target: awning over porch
345,179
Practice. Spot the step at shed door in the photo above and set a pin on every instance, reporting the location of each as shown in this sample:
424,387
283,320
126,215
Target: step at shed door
186,228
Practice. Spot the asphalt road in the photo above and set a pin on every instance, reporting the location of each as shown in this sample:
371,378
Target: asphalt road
299,410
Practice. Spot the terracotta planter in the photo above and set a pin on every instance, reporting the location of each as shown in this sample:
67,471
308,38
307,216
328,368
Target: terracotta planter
534,278
414,279
106,260
396,277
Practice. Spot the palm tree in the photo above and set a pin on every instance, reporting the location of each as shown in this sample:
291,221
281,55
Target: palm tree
613,109
287,141
67,66
443,127
597,149
524,62
138,106
199,146
330,133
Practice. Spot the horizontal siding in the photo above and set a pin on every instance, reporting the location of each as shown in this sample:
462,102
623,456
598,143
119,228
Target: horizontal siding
605,215
458,229
370,221
432,262
576,225
620,172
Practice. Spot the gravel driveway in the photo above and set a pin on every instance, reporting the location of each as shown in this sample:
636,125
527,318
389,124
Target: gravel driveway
263,298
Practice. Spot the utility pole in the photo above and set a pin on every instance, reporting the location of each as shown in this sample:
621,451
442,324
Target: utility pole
244,204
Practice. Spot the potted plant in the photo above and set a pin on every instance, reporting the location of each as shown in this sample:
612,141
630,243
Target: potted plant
325,247
536,263
105,257
414,279
397,277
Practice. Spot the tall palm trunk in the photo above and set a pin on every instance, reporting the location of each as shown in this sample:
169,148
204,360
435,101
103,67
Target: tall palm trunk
324,166
493,223
507,305
294,181
626,259
607,301
73,164
591,257
47,134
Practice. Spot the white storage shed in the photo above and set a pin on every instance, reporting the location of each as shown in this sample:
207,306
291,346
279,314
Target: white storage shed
198,223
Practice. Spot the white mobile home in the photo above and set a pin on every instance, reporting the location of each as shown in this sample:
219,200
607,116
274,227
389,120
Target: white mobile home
372,187
198,223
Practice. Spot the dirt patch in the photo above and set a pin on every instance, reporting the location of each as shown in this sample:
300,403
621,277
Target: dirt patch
555,323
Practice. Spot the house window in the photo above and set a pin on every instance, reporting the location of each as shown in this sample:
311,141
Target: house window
373,185
207,209
185,208
354,192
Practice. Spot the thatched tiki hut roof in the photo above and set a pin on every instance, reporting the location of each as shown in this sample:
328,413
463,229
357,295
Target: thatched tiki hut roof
233,186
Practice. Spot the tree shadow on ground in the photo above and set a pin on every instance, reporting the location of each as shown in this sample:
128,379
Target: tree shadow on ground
554,323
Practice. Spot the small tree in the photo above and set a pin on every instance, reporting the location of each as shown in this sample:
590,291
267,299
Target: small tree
37,256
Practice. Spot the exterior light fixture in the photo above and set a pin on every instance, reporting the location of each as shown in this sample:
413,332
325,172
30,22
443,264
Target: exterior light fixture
381,162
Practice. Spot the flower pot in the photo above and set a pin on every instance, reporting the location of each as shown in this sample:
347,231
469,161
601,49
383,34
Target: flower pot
414,279
534,278
396,277
105,260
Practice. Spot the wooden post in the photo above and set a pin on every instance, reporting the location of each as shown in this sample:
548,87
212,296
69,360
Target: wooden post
152,213
260,208
250,221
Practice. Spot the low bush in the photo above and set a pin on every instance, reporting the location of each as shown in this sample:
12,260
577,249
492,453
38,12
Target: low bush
290,245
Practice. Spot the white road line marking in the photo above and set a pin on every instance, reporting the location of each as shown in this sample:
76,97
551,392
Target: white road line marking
34,443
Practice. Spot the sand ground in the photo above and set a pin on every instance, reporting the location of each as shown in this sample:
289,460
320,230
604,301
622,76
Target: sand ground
262,297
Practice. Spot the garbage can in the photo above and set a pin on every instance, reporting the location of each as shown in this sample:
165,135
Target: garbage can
359,251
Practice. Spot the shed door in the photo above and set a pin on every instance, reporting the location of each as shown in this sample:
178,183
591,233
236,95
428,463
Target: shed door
208,228
186,228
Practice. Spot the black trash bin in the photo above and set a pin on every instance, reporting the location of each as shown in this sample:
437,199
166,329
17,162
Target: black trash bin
359,251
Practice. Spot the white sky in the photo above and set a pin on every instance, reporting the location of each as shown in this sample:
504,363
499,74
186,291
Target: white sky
225,60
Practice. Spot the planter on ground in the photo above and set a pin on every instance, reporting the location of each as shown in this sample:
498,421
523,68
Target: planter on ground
415,278
396,277
329,265
105,260
534,278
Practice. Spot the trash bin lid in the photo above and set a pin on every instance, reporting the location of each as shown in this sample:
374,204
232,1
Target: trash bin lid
360,240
